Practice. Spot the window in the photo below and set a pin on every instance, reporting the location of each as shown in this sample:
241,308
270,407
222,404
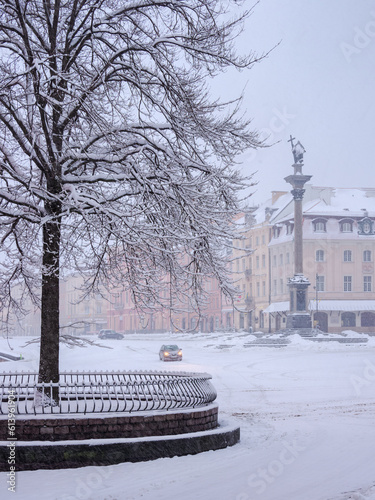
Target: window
257,261
346,226
287,258
263,260
257,241
320,283
281,259
264,288
319,256
367,282
274,287
347,283
258,289
274,261
347,256
263,239
289,228
281,285
367,256
320,225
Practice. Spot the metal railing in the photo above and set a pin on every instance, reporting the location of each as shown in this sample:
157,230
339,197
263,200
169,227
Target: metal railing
87,392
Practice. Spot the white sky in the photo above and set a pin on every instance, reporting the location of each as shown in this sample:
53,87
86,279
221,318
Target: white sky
320,81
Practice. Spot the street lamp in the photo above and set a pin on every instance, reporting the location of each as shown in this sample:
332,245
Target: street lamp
316,300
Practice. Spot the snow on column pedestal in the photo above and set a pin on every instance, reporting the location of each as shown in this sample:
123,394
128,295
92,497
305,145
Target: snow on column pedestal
298,316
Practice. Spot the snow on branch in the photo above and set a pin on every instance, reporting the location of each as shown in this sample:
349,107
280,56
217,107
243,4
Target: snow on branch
115,161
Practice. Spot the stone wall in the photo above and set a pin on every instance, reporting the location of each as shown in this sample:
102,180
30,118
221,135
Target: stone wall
62,455
96,426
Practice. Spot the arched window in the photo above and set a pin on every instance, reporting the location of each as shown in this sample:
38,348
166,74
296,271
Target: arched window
320,225
346,226
319,256
367,256
289,228
348,319
367,319
347,256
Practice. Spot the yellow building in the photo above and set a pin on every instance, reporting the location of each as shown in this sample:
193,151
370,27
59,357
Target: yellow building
252,265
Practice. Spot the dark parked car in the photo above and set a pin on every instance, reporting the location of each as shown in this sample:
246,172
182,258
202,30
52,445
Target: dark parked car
170,353
110,334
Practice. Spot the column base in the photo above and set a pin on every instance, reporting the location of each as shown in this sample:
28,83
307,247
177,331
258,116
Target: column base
298,320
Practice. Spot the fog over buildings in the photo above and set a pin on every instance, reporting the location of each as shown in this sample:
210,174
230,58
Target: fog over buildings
316,84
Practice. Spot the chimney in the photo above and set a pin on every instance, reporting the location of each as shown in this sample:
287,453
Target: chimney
276,195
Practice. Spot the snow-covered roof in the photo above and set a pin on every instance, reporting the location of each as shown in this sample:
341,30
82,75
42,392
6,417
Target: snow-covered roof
344,202
273,208
326,201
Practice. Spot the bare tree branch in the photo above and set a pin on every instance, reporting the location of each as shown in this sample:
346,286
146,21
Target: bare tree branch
115,161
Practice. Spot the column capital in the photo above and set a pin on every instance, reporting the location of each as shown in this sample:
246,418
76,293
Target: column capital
298,193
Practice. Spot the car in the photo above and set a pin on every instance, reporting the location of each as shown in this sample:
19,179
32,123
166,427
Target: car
110,334
170,353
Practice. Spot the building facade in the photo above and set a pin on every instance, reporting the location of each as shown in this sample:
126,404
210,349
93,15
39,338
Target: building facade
252,265
339,251
216,313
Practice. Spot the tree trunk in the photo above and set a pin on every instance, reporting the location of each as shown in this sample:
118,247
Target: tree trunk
49,345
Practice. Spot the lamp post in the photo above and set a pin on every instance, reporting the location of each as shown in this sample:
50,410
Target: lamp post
316,300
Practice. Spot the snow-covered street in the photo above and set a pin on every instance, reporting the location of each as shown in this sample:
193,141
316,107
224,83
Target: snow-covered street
306,411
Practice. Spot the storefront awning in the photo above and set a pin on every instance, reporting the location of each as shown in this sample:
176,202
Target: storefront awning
326,305
277,307
342,305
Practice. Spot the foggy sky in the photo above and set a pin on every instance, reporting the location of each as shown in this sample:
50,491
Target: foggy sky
317,85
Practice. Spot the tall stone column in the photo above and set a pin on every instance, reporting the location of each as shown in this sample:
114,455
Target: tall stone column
298,316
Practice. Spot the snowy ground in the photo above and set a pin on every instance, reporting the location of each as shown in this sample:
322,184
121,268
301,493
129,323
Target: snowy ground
306,411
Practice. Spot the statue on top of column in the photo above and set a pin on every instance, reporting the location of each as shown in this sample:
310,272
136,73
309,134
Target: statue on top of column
298,150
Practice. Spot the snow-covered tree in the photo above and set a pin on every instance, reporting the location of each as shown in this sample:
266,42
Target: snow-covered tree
115,160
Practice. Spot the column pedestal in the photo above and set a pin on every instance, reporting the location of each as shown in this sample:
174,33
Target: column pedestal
298,316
